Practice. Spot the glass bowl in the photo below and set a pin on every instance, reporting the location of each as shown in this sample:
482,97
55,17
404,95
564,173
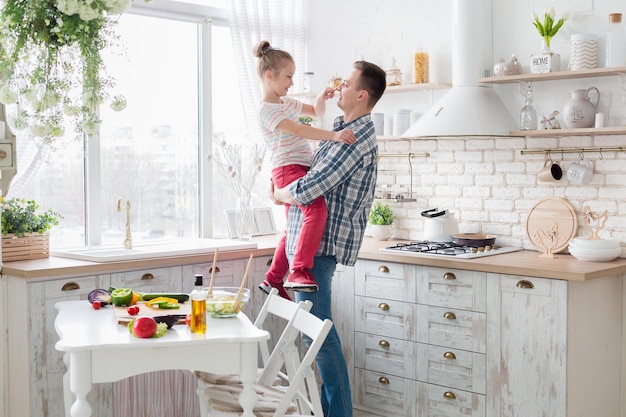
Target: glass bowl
222,302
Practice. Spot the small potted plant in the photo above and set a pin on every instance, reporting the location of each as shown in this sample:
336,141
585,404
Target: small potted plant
25,229
380,219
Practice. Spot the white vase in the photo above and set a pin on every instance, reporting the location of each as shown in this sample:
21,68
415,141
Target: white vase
380,231
546,61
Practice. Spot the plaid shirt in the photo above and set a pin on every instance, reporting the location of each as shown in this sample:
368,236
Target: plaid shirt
346,176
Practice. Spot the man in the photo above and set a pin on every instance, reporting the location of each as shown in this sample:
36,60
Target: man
346,176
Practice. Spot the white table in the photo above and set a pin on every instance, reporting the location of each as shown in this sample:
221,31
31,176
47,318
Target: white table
97,349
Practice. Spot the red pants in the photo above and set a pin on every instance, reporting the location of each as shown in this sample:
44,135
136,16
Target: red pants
313,225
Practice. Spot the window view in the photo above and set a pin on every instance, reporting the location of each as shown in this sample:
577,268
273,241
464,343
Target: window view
148,153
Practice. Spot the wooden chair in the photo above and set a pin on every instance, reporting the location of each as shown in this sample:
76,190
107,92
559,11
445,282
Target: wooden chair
300,397
274,306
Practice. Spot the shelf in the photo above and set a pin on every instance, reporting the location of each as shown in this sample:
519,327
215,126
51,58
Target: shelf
558,75
550,133
405,88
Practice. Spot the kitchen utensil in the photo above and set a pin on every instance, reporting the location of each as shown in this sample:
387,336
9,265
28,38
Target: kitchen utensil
551,172
439,225
475,239
210,290
122,316
550,225
580,172
243,282
580,110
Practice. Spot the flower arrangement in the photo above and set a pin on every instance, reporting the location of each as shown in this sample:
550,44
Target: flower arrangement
20,216
381,214
239,164
548,29
51,64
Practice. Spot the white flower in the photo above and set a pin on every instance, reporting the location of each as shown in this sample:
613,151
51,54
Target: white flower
117,6
69,7
40,130
119,103
88,12
7,95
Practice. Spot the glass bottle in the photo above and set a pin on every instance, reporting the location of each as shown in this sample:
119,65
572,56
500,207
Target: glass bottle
197,320
528,115
615,42
420,65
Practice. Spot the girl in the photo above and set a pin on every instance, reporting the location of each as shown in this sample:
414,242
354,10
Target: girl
291,158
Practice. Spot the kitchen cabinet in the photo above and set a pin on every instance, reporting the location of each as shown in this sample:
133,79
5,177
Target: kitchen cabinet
447,342
562,75
36,369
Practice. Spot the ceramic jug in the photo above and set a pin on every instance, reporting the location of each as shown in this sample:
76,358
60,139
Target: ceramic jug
580,110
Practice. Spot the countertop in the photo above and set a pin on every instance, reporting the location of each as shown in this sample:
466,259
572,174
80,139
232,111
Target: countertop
523,263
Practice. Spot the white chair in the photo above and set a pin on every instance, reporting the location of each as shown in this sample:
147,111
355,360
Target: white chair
300,397
274,306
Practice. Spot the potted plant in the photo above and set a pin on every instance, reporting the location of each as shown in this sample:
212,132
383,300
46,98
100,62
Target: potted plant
25,229
380,218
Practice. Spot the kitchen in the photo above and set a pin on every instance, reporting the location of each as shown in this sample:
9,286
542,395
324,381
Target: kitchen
488,184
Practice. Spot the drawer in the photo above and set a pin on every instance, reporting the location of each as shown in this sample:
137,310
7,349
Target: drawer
452,367
392,395
227,273
527,286
71,288
385,280
387,318
448,402
150,280
454,288
385,355
459,329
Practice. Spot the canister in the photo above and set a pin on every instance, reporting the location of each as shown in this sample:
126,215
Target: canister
401,121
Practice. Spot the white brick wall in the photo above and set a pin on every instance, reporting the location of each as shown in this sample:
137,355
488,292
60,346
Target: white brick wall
491,188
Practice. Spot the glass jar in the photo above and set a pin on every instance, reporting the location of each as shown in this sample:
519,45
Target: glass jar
420,66
307,82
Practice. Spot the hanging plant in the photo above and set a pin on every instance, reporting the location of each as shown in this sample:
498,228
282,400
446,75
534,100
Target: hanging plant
51,64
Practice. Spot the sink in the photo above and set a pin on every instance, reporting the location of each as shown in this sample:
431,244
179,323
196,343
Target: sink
156,250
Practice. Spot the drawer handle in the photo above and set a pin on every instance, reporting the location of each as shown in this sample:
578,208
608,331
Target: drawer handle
147,276
449,275
70,286
525,284
449,395
383,343
449,355
449,315
217,269
3,154
383,306
383,380
383,268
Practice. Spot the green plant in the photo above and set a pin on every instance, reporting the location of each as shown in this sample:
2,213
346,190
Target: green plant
381,214
548,29
305,120
20,216
51,64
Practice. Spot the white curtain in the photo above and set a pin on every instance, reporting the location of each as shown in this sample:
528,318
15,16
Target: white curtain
281,22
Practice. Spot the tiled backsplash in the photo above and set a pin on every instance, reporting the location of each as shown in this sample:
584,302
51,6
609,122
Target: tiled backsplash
491,186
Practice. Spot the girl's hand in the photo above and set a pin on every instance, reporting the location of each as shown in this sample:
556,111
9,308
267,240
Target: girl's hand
345,136
327,94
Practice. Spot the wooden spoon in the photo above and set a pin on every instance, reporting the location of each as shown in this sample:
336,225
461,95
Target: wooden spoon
210,292
243,285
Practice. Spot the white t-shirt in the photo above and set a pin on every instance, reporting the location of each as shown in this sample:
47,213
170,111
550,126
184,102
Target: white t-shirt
285,148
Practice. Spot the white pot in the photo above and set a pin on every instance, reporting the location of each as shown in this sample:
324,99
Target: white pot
380,231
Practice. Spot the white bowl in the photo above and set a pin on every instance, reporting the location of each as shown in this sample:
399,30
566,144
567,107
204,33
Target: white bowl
587,255
584,243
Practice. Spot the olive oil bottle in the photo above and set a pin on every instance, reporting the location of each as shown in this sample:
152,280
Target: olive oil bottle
197,321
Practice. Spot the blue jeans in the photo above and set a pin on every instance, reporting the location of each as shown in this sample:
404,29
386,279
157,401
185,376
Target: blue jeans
336,396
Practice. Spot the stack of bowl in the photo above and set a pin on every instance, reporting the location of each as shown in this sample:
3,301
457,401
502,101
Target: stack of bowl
602,250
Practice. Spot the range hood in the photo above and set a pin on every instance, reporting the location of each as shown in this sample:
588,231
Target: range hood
467,109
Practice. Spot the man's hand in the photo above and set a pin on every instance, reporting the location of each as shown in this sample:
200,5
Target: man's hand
270,194
282,196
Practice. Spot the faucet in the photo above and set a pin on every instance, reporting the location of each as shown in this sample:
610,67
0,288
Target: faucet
128,240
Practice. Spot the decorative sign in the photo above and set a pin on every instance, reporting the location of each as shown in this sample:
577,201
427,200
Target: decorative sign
545,62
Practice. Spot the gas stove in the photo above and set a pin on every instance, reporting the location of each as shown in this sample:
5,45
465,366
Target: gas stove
427,248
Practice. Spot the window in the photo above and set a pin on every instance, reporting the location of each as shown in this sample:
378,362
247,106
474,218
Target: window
150,153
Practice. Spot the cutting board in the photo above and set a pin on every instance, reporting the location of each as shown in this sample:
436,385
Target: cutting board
550,225
122,316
